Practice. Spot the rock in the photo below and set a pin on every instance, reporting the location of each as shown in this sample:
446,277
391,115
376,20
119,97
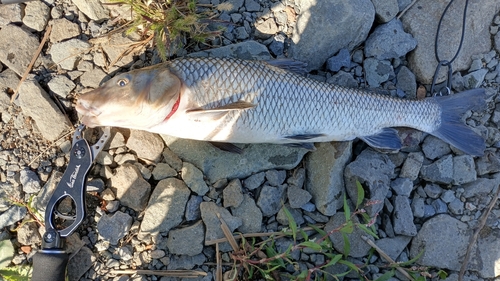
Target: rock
456,207
250,215
187,240
116,46
266,28
487,164
130,188
377,71
441,171
10,13
93,78
433,190
12,215
324,180
412,166
193,178
342,59
254,181
476,65
448,196
193,208
486,262
344,79
36,15
464,169
439,206
389,41
147,145
497,42
92,9
297,197
359,248
248,50
61,85
269,200
418,207
393,247
474,79
66,54
28,234
165,207
296,215
43,197
30,181
385,10
232,194
252,6
374,171
241,33
18,46
212,223
63,29
216,164
80,263
406,82
275,178
402,218
348,23
481,187
163,171
421,21
443,241
277,46
37,104
172,159
186,262
114,227
402,186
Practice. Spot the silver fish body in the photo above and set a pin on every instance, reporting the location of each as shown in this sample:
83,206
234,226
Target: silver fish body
240,101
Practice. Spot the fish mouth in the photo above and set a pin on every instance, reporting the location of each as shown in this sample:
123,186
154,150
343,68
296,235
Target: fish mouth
89,113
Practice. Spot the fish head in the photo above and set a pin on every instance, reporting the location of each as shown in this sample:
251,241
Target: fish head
138,99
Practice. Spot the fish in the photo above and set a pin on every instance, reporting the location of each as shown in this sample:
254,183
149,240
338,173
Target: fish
235,101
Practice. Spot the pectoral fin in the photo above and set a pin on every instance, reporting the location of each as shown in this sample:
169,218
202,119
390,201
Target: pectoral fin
388,138
219,112
228,147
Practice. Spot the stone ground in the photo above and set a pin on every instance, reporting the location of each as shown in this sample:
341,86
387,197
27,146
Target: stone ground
154,199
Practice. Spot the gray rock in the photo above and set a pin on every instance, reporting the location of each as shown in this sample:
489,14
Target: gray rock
476,65
269,200
233,195
474,79
342,59
443,241
441,171
497,42
241,33
43,197
456,207
297,178
374,171
165,207
193,208
212,223
389,41
464,169
163,171
433,190
278,45
92,9
252,6
93,78
114,227
216,164
421,21
297,197
250,215
402,186
429,211
10,13
324,180
412,165
254,181
186,262
193,178
348,23
172,159
80,263
187,240
63,29
147,145
393,247
359,248
266,28
439,206
418,207
275,177
30,181
385,10
18,46
130,187
28,234
481,187
377,71
448,196
66,54
407,82
249,50
296,215
343,78
36,15
402,218
487,164
61,85
486,261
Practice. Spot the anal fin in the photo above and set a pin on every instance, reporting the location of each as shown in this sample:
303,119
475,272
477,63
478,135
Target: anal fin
387,138
228,147
300,137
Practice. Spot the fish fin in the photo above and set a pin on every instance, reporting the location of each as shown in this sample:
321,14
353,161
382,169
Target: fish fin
387,138
291,65
228,147
306,145
452,129
239,105
304,136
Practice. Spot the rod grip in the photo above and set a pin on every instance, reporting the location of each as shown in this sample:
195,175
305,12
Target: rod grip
49,266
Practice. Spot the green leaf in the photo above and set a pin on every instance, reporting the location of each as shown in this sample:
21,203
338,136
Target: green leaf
16,273
349,264
361,194
386,276
347,211
412,260
348,228
442,274
303,234
291,223
347,245
367,230
6,253
270,252
318,230
311,245
333,260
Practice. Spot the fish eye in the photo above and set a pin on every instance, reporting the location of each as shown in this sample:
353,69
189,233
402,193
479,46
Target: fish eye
122,82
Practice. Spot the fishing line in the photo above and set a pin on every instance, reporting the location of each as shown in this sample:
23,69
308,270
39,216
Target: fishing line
436,53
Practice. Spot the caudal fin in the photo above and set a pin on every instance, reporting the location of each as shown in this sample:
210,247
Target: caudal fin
452,129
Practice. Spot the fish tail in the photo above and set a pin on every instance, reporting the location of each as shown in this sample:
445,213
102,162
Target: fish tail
452,129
